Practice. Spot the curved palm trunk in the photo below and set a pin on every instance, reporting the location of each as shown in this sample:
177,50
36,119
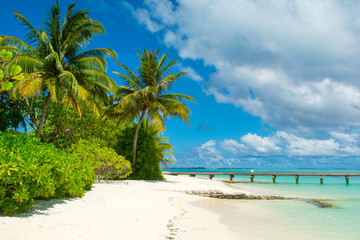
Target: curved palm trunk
43,114
136,137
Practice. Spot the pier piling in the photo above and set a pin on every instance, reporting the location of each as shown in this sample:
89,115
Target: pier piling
231,177
251,178
321,180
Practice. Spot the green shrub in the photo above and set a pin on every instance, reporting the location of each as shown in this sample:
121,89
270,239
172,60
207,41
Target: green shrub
148,152
31,170
106,162
64,127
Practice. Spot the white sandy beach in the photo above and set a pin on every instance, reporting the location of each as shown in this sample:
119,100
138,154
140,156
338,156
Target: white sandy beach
139,210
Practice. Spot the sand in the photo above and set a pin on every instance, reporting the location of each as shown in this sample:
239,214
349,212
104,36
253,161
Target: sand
139,210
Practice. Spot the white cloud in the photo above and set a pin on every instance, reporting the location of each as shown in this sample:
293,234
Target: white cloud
279,101
208,151
351,138
192,73
261,145
294,63
285,144
297,146
143,17
232,146
276,151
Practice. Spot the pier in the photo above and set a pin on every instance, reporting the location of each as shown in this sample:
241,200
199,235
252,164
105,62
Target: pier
272,174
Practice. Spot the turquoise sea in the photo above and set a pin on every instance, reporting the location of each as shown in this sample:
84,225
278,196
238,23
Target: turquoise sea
291,219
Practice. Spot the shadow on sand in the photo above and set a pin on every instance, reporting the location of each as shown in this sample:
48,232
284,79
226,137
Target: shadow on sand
41,207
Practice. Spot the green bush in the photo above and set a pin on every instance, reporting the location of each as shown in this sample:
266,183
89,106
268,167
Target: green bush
148,152
64,127
107,164
31,170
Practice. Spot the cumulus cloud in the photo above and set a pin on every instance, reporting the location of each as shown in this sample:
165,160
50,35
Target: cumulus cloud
208,151
191,73
294,63
262,145
290,145
143,17
276,151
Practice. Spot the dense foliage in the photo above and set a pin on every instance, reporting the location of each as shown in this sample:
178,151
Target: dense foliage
31,170
107,164
64,127
11,114
149,154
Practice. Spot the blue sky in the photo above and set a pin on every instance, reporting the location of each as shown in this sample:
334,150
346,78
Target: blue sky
276,81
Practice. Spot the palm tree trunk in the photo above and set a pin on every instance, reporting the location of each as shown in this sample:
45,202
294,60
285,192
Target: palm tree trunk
136,137
43,114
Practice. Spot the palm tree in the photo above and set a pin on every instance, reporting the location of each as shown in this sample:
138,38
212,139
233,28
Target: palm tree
54,63
146,93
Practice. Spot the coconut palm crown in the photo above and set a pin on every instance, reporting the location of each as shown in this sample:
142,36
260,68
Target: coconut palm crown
145,93
54,62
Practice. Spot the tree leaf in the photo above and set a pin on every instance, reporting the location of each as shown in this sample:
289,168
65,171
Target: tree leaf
15,70
1,74
6,55
5,86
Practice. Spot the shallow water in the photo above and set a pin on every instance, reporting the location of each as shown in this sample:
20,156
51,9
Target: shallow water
293,219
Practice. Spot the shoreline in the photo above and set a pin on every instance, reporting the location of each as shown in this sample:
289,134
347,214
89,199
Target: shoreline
128,209
179,208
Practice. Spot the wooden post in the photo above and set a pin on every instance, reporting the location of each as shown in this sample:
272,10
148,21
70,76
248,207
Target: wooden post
347,180
273,178
231,177
321,180
251,178
211,176
297,179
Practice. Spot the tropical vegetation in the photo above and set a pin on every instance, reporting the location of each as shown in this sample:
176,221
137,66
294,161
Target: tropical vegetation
56,67
31,170
147,93
82,125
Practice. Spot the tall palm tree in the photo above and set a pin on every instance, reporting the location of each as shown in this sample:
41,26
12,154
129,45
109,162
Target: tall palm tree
54,62
146,93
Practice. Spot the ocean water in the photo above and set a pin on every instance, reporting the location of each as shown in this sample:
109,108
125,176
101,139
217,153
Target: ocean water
290,219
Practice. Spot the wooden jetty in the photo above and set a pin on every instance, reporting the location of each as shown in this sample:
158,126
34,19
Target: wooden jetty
272,174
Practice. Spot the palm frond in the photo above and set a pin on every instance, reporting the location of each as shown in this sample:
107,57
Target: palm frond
32,35
130,79
90,62
28,64
97,52
29,86
100,77
178,97
175,108
167,82
18,44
